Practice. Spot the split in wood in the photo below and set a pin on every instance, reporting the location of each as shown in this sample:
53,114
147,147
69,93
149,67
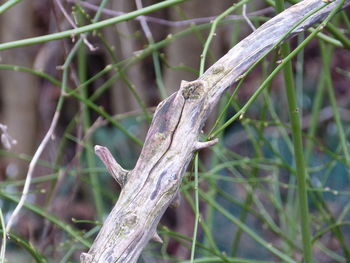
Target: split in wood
115,170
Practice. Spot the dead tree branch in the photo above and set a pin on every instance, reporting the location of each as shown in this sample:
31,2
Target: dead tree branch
153,184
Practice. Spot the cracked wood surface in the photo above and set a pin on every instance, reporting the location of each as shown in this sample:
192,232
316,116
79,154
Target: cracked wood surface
172,139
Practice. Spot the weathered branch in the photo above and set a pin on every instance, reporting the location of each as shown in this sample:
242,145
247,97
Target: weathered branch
173,138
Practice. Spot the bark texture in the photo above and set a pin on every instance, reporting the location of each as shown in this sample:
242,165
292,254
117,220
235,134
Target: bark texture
172,139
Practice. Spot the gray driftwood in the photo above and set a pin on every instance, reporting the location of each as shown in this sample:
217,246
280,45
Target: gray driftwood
153,184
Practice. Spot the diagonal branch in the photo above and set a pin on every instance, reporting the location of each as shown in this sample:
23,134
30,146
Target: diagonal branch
173,138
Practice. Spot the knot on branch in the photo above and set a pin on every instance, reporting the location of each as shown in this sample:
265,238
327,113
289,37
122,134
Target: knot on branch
114,169
193,90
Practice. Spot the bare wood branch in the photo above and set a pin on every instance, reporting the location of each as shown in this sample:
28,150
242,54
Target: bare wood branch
173,137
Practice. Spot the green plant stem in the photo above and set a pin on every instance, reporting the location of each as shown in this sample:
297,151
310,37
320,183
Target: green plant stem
212,32
333,102
88,28
346,20
73,248
37,257
39,74
3,245
329,228
339,35
158,72
295,119
294,114
82,72
333,256
96,188
181,238
99,11
230,260
222,115
195,229
318,99
209,240
8,4
64,86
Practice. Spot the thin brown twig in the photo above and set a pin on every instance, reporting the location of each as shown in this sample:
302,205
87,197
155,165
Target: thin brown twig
65,14
144,24
246,18
30,172
165,22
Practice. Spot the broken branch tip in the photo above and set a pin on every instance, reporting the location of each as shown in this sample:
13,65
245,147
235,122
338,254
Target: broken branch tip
202,145
157,238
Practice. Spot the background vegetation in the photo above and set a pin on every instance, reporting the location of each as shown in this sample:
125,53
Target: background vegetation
105,85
